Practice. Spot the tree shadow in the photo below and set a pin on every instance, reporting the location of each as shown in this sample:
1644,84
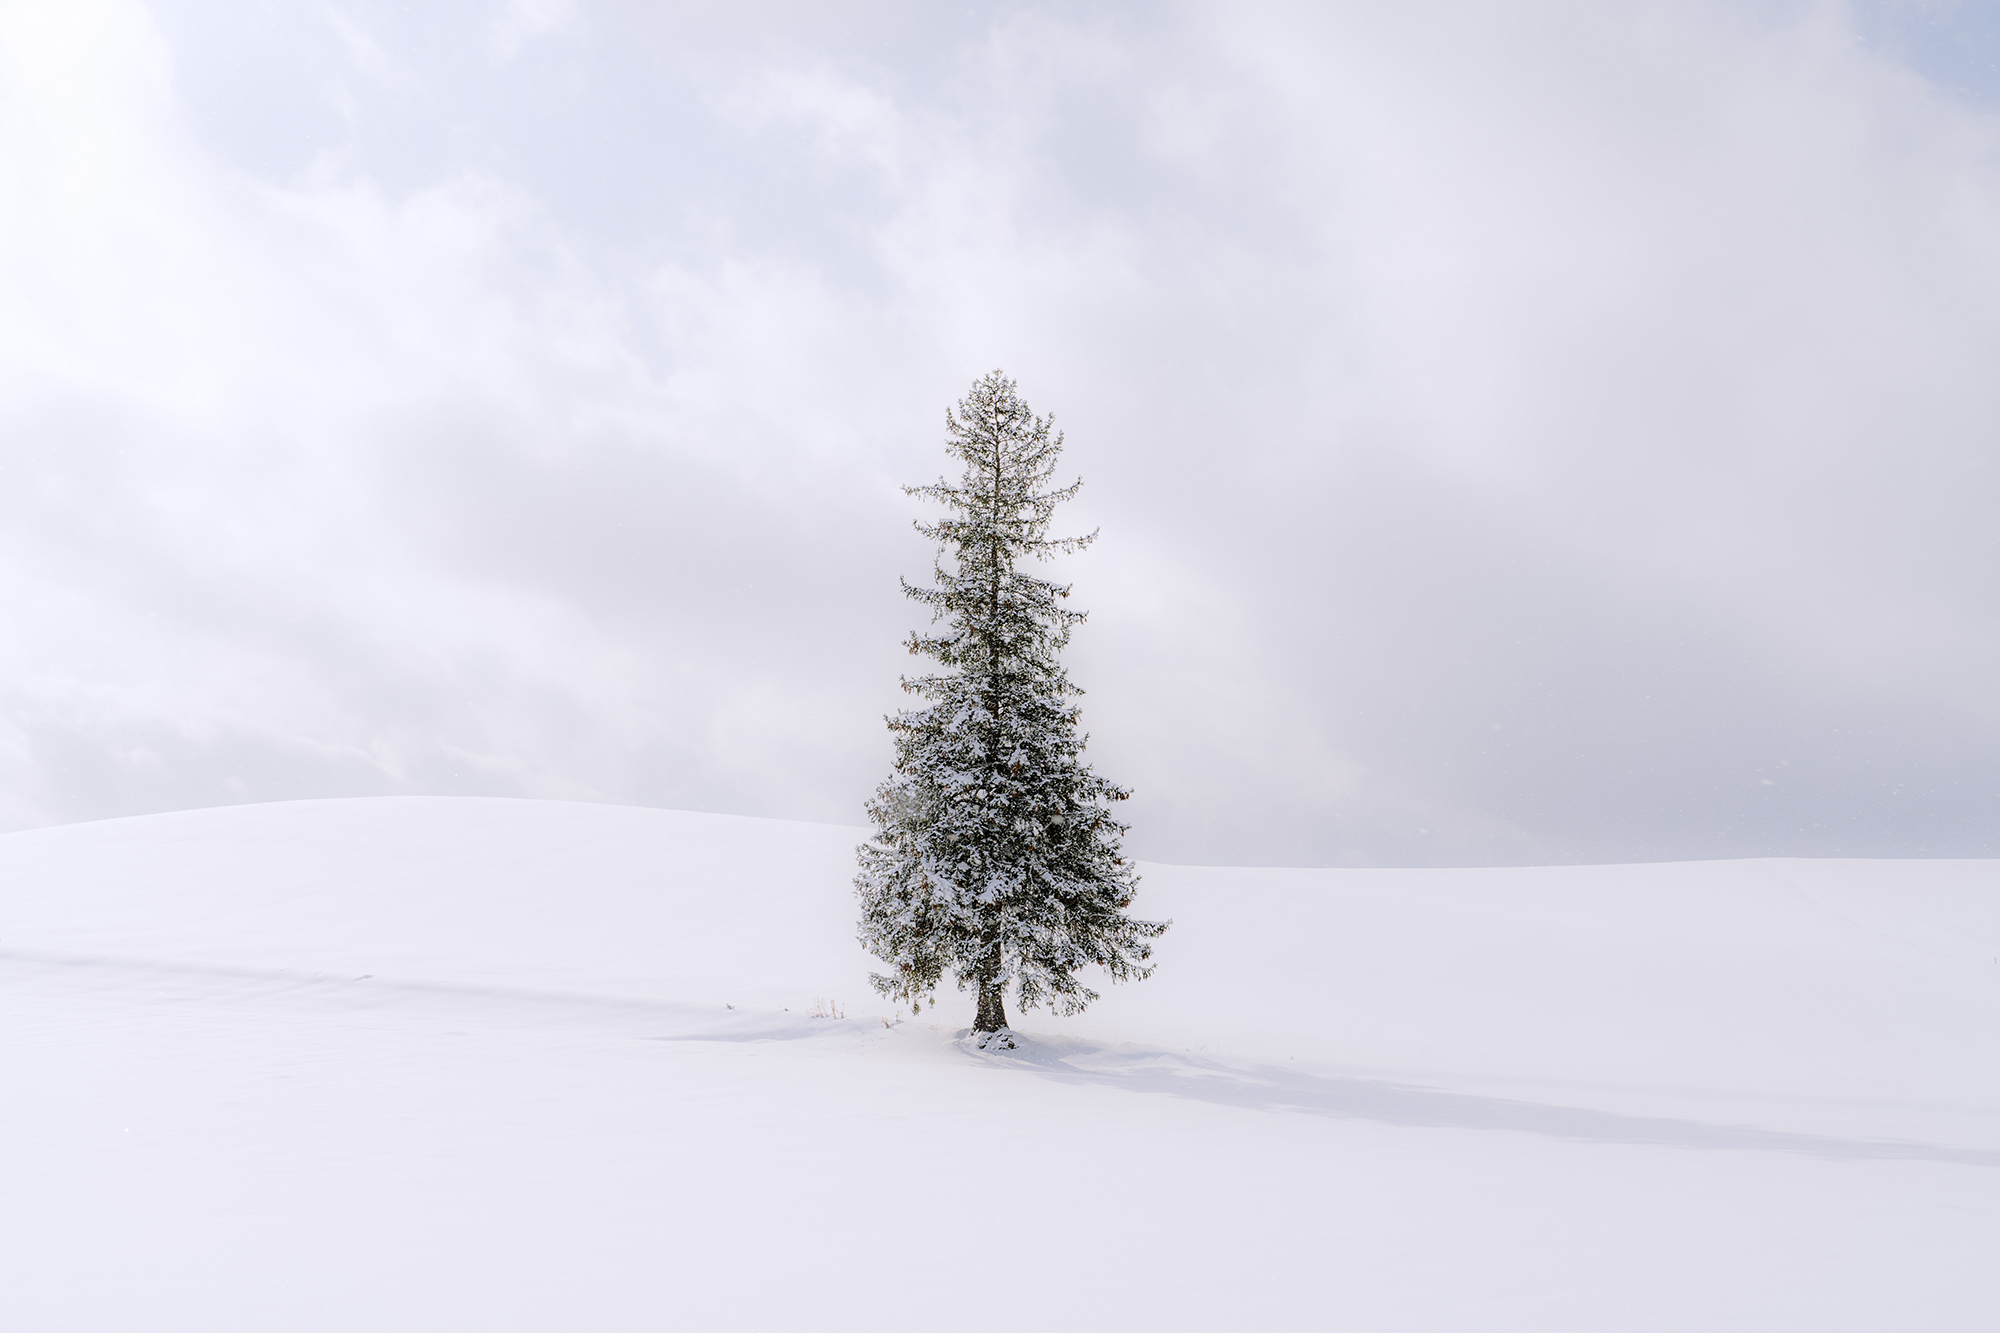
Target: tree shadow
1263,1087
1127,1068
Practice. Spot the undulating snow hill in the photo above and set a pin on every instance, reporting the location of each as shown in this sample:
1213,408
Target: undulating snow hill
416,1064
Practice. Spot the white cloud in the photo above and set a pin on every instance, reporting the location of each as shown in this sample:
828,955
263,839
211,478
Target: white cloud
524,21
1610,374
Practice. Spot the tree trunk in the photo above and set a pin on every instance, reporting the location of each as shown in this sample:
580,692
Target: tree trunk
992,1008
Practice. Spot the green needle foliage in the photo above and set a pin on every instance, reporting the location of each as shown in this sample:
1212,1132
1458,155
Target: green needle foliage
994,858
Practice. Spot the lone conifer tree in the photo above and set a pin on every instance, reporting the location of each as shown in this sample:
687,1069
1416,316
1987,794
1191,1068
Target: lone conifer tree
994,858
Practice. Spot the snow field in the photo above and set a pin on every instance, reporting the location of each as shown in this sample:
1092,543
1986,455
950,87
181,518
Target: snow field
451,1064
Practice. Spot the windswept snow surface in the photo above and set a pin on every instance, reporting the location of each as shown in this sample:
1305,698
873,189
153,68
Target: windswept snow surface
412,1064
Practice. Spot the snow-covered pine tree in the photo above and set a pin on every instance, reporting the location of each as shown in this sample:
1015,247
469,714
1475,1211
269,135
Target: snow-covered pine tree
994,858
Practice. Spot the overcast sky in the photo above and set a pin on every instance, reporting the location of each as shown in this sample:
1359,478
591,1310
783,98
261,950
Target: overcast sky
1520,431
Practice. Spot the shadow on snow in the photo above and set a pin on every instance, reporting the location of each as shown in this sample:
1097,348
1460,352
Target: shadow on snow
1274,1088
1129,1068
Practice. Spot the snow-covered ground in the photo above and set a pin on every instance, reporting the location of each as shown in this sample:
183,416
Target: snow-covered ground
417,1064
